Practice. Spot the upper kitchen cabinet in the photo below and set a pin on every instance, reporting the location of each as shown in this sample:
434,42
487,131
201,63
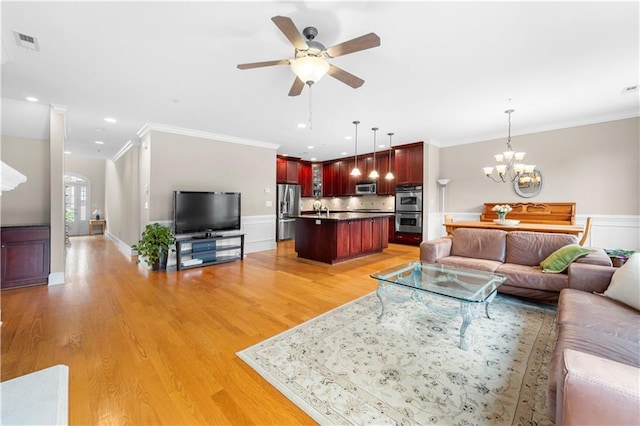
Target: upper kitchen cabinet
408,164
385,186
305,179
286,170
335,179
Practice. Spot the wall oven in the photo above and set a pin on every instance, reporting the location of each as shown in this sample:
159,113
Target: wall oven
410,223
409,198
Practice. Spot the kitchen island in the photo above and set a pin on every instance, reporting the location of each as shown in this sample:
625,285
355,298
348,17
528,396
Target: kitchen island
336,237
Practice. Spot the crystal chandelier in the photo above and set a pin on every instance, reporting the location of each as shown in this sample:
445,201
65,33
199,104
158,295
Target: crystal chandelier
510,165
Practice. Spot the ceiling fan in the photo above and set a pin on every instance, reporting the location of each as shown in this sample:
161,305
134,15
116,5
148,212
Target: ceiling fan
310,57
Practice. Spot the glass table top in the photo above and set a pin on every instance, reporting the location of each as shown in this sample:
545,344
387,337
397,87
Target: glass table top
464,284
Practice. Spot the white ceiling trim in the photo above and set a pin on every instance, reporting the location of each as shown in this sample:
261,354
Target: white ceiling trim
545,128
204,135
124,149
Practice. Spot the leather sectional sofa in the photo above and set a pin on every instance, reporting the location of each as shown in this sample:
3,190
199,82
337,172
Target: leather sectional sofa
594,377
516,254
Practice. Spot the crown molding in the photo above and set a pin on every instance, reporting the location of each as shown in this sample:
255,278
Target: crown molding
622,115
125,148
203,135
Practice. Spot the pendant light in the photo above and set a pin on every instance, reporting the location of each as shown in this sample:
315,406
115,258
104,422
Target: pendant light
374,173
356,171
389,175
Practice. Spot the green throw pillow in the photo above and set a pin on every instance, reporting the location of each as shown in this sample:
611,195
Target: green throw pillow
560,259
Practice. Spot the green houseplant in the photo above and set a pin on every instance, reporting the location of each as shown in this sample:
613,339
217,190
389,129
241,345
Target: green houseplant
619,256
154,245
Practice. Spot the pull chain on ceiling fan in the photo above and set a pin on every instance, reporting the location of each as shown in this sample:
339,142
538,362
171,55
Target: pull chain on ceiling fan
309,63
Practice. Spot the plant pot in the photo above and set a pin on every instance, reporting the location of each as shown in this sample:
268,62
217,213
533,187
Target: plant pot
160,264
618,261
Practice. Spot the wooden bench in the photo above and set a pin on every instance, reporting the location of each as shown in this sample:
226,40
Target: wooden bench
545,213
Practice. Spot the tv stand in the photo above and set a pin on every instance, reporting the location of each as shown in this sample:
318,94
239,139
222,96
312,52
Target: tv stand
206,250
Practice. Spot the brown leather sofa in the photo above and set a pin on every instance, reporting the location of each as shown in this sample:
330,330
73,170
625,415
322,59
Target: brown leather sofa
516,254
595,370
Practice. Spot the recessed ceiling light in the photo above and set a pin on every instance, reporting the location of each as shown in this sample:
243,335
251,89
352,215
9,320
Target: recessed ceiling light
67,152
32,99
99,129
313,158
301,125
310,147
381,145
99,142
348,138
343,153
110,120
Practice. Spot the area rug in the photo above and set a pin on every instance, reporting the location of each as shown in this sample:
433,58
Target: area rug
346,367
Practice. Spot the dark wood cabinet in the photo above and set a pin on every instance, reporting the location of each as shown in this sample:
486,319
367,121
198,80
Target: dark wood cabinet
385,186
332,241
305,179
409,162
410,239
391,224
372,234
25,255
329,174
286,170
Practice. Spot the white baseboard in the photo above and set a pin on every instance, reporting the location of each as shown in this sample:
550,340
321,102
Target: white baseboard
56,278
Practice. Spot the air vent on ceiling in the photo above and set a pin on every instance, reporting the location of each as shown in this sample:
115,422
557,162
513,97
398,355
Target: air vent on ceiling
26,41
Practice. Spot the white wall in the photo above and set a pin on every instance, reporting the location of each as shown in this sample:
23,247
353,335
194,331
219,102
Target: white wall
29,203
596,166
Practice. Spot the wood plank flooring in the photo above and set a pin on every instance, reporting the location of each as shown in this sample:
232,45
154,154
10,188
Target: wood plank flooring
146,347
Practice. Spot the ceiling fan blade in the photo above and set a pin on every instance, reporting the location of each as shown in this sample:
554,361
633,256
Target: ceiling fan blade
263,64
290,31
357,44
345,77
297,87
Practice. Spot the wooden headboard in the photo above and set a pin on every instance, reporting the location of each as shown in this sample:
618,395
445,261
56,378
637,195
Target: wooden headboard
550,213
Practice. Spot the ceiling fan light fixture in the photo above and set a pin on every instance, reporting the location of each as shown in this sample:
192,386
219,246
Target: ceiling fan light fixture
309,69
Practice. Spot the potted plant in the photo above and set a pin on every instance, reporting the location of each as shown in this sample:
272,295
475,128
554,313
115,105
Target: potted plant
618,256
154,246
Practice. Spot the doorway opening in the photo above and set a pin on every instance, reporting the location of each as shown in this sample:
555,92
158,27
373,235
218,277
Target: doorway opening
77,204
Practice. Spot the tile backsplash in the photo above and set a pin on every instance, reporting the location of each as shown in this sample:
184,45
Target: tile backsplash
385,203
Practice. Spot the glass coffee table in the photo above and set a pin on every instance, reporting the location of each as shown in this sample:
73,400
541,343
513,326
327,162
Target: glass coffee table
428,281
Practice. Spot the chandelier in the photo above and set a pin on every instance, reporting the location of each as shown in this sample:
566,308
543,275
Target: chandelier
510,165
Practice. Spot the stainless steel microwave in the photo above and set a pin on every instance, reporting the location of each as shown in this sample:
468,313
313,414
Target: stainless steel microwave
366,188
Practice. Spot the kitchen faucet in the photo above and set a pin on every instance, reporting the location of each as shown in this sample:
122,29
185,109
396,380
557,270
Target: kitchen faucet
327,209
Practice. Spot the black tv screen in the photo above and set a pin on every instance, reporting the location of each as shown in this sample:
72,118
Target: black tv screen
195,211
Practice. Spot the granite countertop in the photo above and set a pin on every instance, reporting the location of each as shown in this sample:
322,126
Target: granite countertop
345,215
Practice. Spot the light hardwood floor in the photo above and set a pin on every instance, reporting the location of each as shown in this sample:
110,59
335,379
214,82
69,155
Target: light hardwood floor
159,348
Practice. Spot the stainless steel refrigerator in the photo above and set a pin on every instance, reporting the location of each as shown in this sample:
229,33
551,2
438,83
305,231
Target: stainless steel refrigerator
288,208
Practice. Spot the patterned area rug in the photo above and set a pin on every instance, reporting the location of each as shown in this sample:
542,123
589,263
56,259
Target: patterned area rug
345,367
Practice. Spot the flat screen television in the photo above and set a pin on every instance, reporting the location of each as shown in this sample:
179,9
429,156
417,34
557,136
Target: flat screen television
195,211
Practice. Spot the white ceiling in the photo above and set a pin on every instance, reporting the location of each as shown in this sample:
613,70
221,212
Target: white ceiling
443,74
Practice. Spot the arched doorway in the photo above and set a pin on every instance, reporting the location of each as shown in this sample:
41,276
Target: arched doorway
77,203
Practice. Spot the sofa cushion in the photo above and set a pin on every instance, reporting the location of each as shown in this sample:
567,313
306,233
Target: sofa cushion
599,313
625,283
479,243
531,248
596,325
560,259
597,257
470,263
532,277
